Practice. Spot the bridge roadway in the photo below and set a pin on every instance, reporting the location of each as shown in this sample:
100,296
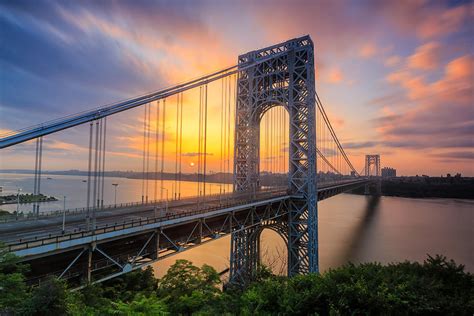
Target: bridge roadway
32,229
132,237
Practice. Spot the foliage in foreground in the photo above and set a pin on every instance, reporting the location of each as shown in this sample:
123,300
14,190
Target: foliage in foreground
435,287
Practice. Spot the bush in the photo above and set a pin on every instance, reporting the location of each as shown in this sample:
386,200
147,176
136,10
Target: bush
435,287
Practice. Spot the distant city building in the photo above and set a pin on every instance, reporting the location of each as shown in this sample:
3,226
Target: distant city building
388,172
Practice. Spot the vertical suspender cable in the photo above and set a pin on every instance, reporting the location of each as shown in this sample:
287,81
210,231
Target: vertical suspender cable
94,192
40,159
35,190
91,132
224,164
163,131
199,145
180,144
205,137
279,140
267,143
103,162
228,124
272,147
176,150
156,148
222,126
148,130
99,163
143,160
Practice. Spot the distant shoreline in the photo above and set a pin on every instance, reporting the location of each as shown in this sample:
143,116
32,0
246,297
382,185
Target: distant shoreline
223,178
418,187
410,187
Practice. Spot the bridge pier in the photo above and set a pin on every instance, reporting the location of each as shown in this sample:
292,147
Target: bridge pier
88,273
374,187
244,258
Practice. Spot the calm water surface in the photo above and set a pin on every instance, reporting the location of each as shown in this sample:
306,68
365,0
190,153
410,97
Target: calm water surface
351,227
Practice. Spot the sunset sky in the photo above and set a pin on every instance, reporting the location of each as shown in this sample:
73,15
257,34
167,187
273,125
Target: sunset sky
396,77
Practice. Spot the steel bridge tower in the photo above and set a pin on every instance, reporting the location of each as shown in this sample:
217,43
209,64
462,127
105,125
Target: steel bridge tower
283,75
372,169
372,160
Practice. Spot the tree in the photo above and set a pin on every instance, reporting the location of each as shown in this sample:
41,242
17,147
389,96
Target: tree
13,290
126,286
436,287
189,289
141,305
49,298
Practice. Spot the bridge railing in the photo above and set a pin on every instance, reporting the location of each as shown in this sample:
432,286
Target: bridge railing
82,210
100,229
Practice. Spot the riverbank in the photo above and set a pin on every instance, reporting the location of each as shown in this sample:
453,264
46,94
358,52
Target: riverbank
419,187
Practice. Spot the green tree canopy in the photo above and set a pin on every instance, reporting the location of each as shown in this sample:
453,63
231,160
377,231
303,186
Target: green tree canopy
188,288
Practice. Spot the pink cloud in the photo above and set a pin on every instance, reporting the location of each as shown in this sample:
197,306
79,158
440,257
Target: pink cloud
425,19
426,56
440,114
368,50
335,76
443,23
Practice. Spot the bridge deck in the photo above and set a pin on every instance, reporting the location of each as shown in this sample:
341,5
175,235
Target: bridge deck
123,237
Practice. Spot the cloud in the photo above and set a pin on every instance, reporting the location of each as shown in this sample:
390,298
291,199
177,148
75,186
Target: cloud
193,154
335,76
440,114
368,50
392,61
443,23
469,155
425,19
426,57
358,145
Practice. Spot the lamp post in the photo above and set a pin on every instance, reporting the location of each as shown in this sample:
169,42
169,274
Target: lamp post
162,188
220,189
115,197
64,214
17,202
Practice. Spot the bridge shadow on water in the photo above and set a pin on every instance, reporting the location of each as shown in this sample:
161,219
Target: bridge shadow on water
361,231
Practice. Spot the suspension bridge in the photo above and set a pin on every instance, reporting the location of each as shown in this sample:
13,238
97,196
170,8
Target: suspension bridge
275,155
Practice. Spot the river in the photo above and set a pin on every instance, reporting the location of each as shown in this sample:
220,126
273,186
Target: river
351,227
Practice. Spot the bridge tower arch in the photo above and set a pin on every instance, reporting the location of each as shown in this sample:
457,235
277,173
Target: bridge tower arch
282,74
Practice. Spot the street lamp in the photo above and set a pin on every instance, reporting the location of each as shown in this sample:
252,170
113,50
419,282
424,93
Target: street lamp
162,188
220,189
115,198
64,214
18,202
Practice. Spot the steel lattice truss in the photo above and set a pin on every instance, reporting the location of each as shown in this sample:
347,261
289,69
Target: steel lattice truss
285,78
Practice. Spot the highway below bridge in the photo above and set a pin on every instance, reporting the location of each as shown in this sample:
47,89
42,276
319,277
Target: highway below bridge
133,236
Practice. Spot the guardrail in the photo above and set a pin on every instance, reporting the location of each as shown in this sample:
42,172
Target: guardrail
82,210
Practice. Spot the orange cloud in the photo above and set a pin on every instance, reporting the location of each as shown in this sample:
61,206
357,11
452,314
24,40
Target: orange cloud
443,23
368,50
426,57
425,19
335,76
457,83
